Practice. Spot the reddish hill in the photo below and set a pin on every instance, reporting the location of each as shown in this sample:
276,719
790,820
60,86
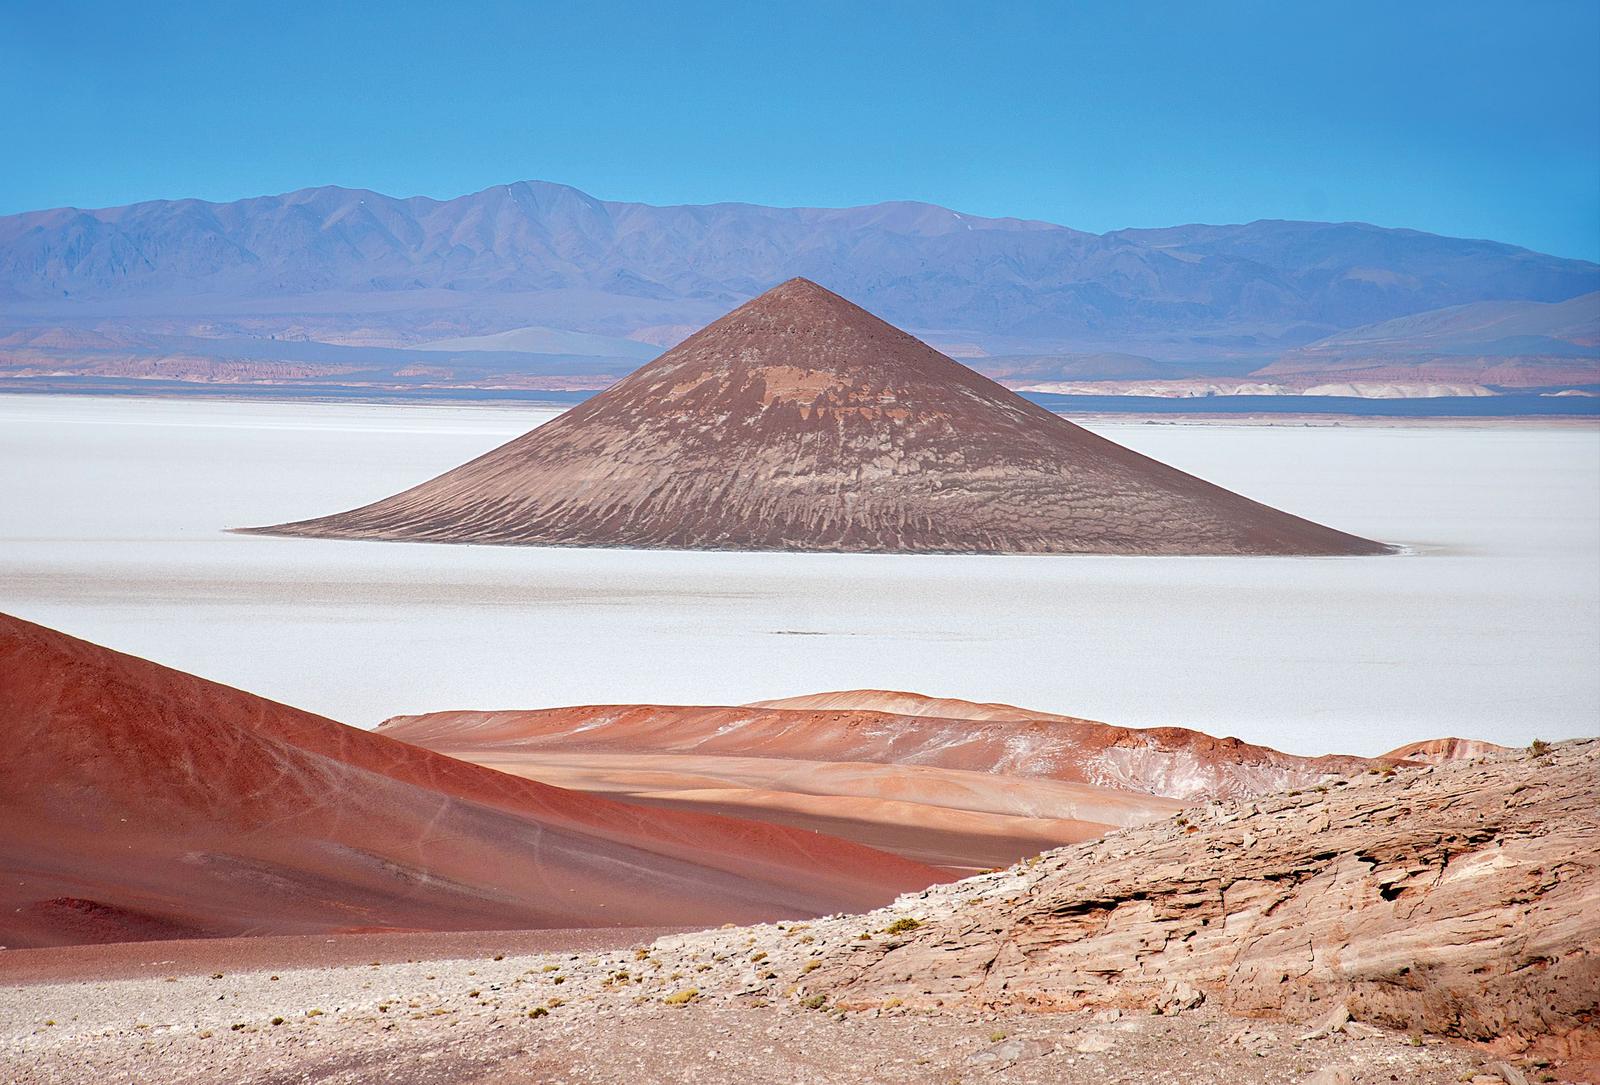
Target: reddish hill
1438,751
141,802
1509,343
802,422
943,781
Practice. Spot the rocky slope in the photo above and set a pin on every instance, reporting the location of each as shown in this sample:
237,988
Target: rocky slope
802,422
1457,899
138,802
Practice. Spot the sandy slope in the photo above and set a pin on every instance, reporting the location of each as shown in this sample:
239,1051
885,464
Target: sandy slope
947,782
141,802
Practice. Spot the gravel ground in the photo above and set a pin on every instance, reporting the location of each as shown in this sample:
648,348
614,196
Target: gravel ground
572,1017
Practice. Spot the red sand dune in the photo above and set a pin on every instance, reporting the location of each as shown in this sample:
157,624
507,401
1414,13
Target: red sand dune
948,782
141,802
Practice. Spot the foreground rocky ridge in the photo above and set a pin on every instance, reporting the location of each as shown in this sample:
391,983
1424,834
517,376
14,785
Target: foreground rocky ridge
1388,919
1458,899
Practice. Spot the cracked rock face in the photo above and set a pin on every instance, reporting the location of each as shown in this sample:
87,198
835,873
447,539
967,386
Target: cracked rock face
802,422
1461,899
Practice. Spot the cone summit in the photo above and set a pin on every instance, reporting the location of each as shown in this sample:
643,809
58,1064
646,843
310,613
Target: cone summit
800,421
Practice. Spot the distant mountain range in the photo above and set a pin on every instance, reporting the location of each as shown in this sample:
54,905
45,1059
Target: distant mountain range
497,282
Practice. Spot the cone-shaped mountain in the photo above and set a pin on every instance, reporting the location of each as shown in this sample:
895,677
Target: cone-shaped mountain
802,422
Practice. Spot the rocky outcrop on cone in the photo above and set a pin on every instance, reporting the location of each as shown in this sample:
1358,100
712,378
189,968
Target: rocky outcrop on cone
802,422
1457,899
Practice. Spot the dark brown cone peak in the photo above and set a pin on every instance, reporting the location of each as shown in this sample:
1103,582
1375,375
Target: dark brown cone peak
806,346
800,421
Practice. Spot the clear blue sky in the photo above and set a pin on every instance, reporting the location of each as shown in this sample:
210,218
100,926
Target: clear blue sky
1464,118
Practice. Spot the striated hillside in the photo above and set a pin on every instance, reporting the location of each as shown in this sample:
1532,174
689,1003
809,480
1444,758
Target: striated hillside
952,783
802,422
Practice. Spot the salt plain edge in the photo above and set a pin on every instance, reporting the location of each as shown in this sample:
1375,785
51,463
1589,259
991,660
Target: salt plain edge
112,518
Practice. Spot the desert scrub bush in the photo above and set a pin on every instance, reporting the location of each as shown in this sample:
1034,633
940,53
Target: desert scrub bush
996,1036
759,956
538,1011
551,968
813,1002
902,925
810,966
313,1013
1538,747
683,997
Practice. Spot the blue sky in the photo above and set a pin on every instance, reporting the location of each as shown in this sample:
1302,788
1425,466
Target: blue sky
1463,118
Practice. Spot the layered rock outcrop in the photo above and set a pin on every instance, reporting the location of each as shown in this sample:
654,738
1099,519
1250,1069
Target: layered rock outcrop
1460,899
